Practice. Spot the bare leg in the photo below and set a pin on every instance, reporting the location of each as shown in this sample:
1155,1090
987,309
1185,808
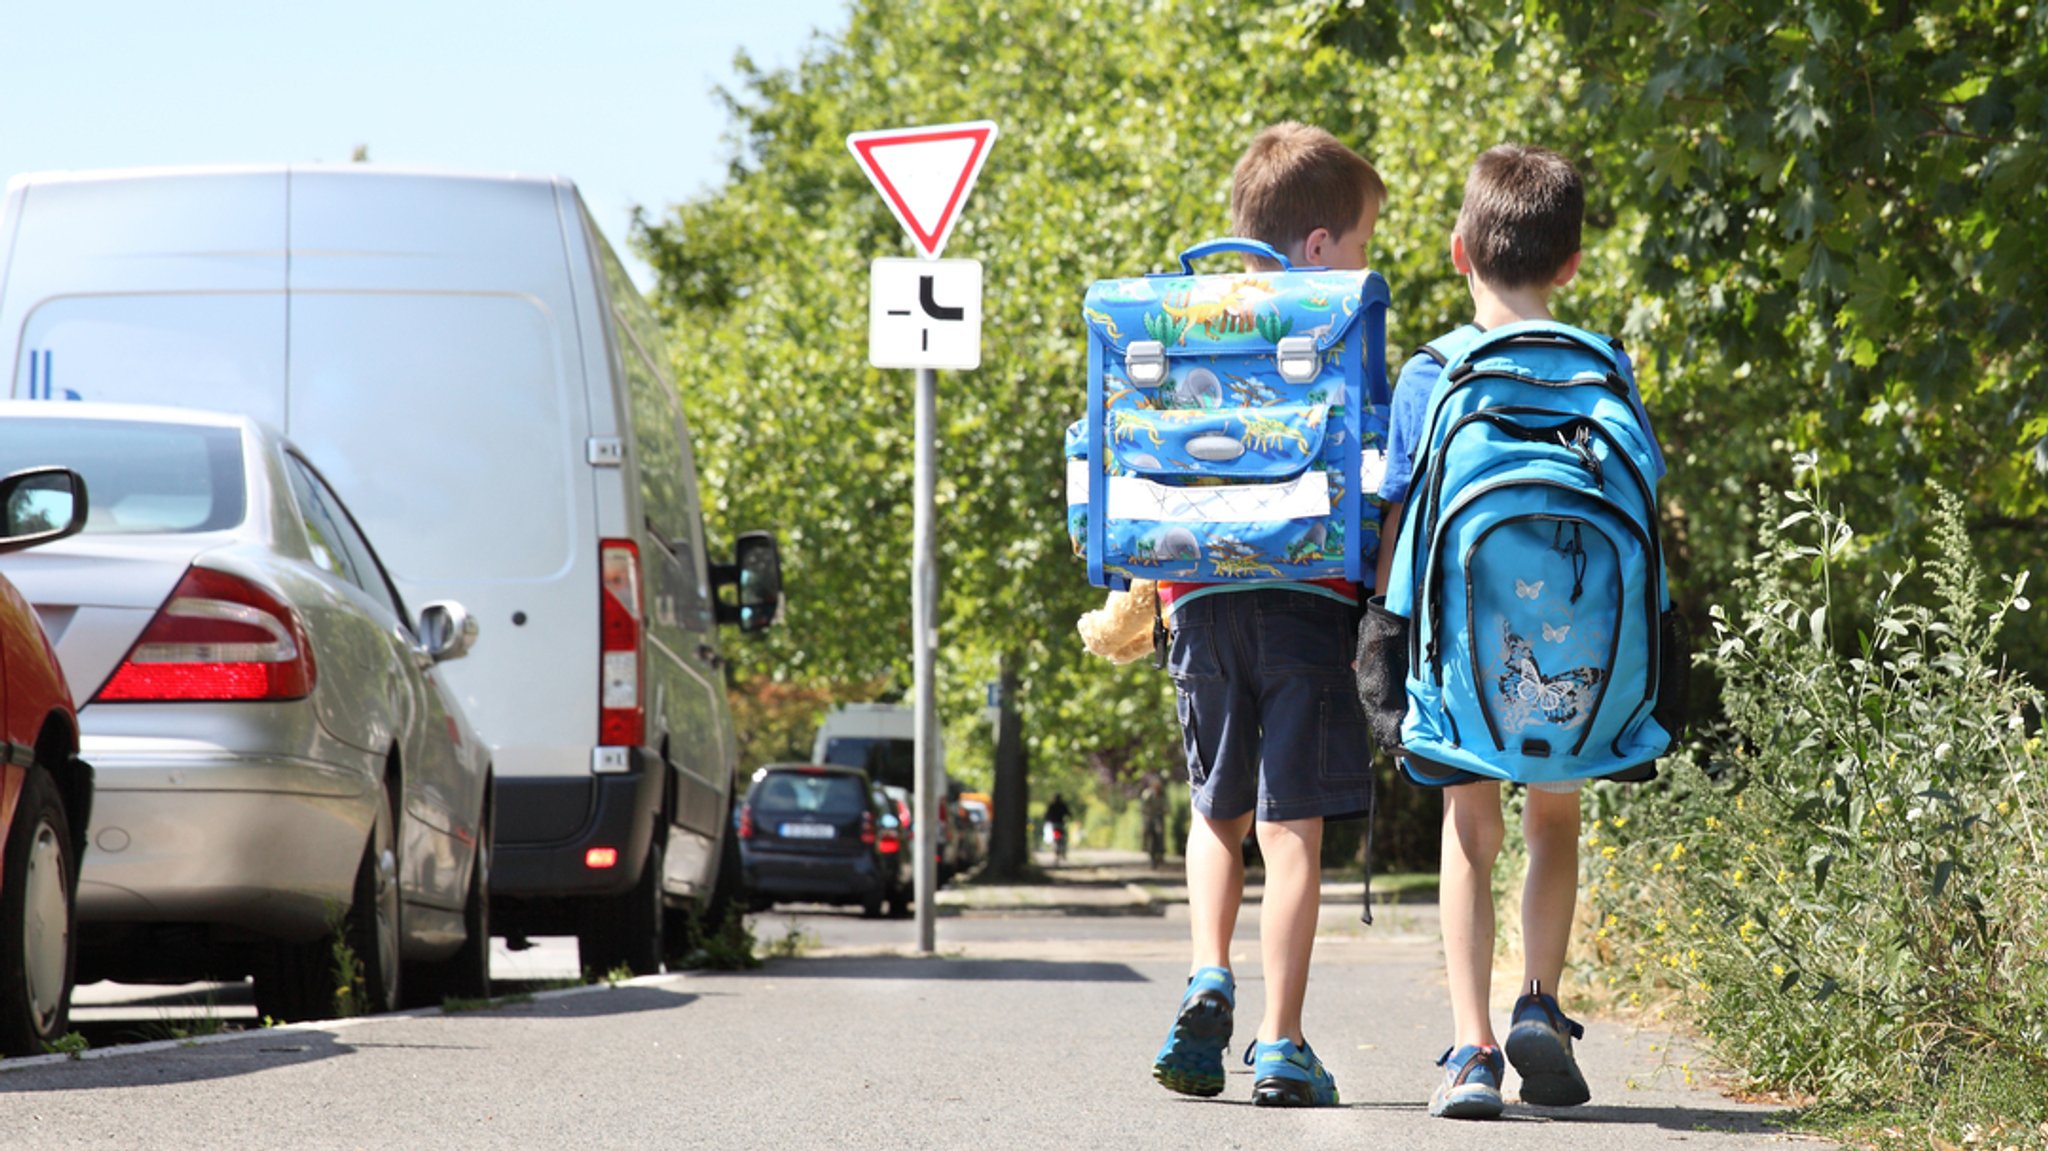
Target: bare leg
1550,823
1287,920
1215,886
1472,837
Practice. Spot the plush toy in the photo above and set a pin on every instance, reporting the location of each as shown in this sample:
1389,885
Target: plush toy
1120,631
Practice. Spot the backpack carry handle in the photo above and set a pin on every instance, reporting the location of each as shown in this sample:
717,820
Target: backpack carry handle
1231,244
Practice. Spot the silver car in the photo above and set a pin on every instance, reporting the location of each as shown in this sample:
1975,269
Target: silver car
280,769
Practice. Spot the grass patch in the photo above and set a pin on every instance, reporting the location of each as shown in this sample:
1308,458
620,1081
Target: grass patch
456,1005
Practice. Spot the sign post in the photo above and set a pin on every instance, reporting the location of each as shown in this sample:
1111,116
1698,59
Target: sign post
925,314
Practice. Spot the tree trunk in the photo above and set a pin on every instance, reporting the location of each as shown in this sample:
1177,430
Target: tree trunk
1009,850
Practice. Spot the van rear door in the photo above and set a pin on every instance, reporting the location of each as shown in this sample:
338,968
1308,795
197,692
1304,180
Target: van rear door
436,380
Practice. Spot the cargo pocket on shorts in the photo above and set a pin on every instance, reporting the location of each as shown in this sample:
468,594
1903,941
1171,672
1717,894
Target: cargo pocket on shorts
1346,739
1191,661
1382,671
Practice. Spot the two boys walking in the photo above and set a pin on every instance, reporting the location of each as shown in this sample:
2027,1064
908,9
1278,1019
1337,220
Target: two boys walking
1257,666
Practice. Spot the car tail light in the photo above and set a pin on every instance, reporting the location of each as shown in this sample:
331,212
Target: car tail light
890,842
867,828
622,716
218,637
601,858
746,823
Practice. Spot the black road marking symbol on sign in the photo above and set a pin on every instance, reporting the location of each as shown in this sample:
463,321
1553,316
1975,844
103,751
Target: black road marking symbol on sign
932,307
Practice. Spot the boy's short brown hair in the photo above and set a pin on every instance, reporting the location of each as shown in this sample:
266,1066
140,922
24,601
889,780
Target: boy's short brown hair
1295,178
1523,209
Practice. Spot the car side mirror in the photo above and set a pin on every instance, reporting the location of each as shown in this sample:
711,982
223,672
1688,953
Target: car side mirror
756,570
447,630
38,505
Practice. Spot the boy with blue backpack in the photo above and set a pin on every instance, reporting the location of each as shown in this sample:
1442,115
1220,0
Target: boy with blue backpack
1525,635
1274,737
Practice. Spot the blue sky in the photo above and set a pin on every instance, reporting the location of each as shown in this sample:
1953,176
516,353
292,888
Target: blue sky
615,94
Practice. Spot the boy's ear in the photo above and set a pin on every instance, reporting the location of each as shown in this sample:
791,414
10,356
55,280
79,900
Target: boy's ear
1316,249
1570,269
1462,259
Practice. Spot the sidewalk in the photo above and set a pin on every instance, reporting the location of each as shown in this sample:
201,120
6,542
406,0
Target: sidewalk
1100,881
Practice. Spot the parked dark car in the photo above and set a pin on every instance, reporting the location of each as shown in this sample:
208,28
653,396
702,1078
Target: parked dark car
813,833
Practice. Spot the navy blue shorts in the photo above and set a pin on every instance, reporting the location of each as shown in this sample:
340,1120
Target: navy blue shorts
1269,710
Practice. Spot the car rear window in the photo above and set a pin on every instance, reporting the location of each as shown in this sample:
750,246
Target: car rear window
139,477
822,794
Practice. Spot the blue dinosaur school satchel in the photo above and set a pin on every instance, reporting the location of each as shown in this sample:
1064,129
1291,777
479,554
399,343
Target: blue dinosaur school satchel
1526,633
1236,424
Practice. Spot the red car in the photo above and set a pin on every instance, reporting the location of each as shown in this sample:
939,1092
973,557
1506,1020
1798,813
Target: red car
45,791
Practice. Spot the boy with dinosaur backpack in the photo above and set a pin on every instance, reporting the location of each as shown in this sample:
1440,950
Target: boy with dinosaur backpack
1274,738
1525,635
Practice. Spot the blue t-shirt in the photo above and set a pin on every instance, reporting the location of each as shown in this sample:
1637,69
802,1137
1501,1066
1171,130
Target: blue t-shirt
1411,409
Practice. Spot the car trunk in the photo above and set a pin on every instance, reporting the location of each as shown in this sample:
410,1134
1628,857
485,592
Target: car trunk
96,594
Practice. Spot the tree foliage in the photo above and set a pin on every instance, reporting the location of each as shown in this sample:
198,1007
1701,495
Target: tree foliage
1840,208
1815,223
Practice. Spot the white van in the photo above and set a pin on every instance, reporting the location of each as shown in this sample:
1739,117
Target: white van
465,360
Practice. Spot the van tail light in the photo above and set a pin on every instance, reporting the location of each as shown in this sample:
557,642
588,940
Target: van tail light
218,637
622,713
746,823
867,828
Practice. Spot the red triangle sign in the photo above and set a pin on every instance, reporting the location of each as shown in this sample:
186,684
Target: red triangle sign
925,174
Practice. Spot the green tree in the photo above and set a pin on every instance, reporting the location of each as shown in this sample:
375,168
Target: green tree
1839,208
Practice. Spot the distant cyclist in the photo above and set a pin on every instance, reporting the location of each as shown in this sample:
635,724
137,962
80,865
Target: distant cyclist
1056,816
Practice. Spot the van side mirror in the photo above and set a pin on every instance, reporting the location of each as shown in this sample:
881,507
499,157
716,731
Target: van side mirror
38,505
447,630
756,571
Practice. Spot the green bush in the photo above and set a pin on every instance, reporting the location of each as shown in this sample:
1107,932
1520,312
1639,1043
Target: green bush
1845,886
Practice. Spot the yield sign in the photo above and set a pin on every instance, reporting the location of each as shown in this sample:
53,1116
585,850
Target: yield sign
924,174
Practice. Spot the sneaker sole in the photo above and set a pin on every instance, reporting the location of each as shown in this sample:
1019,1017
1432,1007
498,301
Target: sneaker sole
1468,1103
1194,1065
1279,1092
1550,1076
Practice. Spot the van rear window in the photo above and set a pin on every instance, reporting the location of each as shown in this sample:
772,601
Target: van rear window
443,422
890,762
139,477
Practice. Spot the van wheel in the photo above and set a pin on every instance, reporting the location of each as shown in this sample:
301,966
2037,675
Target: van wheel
36,907
629,930
467,973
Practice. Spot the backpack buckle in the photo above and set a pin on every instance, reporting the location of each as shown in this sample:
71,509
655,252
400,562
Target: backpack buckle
1299,361
1145,362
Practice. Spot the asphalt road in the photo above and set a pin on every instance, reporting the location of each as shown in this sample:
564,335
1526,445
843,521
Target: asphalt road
1033,1027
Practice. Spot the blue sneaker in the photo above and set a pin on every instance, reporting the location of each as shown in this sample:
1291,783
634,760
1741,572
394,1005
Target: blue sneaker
1191,1060
1471,1086
1540,1047
1289,1076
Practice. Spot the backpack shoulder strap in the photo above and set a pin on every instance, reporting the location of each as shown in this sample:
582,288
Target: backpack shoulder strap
1453,344
1543,332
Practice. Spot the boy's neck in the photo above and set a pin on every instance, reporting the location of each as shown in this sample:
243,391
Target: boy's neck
1492,307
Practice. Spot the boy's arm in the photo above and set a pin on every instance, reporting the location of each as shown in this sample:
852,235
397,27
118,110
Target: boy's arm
1390,530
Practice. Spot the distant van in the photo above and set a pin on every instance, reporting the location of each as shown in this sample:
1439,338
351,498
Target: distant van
467,362
880,737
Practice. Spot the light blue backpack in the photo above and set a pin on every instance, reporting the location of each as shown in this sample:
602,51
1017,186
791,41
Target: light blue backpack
1526,633
1231,418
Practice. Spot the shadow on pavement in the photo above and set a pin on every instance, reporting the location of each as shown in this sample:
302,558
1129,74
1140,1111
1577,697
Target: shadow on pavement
1683,1119
990,970
197,1064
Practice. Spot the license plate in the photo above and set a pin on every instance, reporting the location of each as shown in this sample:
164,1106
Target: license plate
806,831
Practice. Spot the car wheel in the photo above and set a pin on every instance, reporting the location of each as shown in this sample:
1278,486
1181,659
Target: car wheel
629,930
36,905
467,973
374,918
296,982
871,906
